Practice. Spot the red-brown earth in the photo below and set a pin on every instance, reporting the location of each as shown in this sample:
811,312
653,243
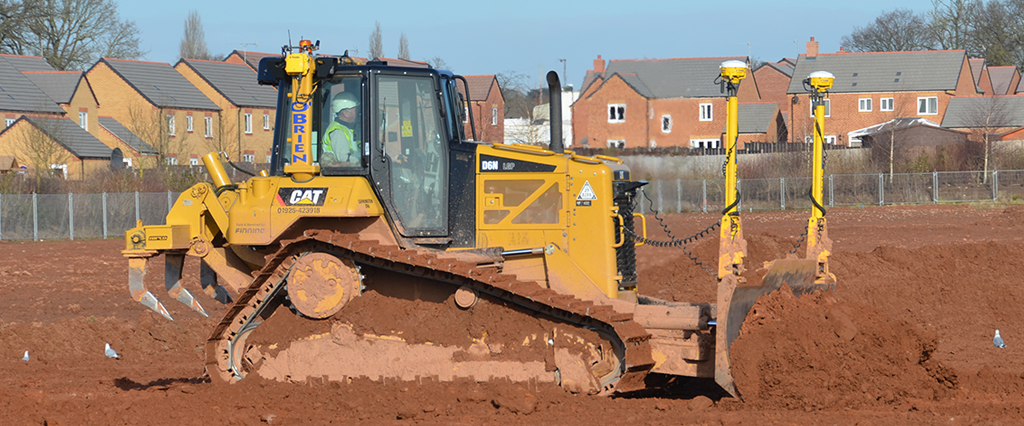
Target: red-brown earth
906,338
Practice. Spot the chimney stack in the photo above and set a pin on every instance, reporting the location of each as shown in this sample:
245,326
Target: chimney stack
812,49
599,64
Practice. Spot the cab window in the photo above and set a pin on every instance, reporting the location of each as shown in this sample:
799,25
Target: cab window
411,135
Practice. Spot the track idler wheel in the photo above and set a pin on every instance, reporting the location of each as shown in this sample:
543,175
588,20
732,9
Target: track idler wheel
320,284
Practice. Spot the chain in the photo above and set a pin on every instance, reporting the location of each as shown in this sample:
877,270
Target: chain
673,242
799,241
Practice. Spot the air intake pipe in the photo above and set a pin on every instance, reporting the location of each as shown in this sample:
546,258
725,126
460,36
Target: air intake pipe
555,112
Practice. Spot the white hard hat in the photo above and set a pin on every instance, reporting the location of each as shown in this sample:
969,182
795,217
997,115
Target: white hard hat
342,101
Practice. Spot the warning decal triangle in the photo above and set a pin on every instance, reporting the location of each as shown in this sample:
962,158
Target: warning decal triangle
587,193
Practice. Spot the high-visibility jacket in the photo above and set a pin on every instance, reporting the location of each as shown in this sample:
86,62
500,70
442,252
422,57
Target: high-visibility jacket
353,155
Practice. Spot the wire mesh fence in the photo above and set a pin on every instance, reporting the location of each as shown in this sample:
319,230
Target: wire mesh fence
678,196
71,216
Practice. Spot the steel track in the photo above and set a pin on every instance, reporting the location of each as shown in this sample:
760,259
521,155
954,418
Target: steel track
632,339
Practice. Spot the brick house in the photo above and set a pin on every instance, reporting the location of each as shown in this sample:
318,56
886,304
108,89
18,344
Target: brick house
70,90
158,105
662,103
247,58
248,110
21,95
488,106
54,145
135,152
998,117
872,88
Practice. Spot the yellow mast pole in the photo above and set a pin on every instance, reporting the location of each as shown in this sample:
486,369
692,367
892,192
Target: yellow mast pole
301,67
819,246
732,247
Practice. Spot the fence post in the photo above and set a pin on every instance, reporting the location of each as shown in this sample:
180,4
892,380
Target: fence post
138,216
935,187
642,196
782,193
661,208
35,218
704,196
995,185
71,217
104,215
739,199
679,195
881,189
831,191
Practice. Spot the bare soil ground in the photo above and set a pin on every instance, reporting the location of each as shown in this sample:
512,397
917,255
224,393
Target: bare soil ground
905,339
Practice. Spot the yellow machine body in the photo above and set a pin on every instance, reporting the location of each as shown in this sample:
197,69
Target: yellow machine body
547,230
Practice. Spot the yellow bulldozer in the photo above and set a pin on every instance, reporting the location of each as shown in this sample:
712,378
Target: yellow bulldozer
385,243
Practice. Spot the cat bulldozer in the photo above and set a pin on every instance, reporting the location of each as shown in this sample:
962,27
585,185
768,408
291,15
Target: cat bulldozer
384,243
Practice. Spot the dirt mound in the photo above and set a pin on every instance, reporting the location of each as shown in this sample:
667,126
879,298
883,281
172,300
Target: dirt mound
818,352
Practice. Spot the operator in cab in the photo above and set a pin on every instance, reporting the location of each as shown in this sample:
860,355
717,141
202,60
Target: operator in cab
340,144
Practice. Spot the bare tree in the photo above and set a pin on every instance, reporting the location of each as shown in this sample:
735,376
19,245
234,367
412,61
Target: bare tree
952,22
403,48
193,43
72,34
515,90
153,125
376,42
14,31
438,63
998,33
40,148
228,134
985,117
899,30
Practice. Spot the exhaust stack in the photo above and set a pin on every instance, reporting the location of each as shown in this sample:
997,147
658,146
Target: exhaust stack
555,112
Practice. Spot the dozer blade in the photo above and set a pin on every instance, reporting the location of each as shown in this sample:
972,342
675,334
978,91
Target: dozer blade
136,273
736,298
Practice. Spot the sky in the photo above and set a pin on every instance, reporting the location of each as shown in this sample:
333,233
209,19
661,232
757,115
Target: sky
528,37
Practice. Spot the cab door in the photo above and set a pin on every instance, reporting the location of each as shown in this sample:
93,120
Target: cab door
409,164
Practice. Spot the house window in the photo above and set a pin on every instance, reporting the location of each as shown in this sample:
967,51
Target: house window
465,114
928,105
266,121
193,161
127,162
172,161
83,120
864,105
209,126
885,104
616,113
268,158
616,143
494,116
249,158
830,139
188,123
248,123
170,124
10,121
828,108
666,123
705,143
59,170
706,112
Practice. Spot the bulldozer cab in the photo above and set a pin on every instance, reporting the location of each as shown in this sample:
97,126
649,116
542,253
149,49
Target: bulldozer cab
392,124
